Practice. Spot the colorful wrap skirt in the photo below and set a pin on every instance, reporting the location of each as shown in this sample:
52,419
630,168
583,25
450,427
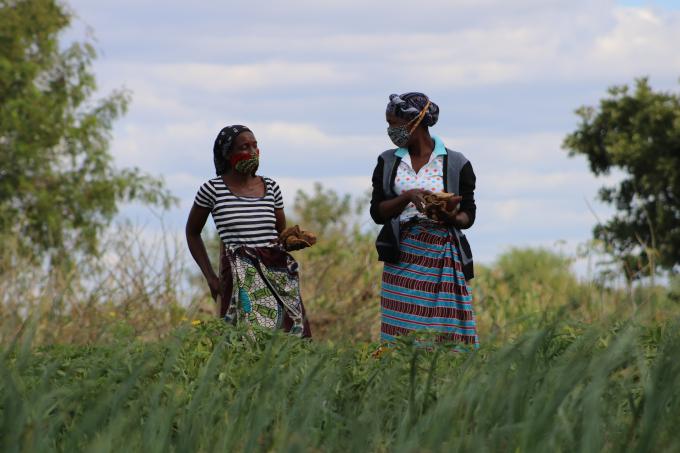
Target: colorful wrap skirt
261,286
425,291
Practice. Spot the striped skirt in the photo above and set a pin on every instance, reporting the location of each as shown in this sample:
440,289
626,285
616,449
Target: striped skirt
426,290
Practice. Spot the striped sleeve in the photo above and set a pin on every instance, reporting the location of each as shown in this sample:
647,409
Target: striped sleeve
205,197
278,198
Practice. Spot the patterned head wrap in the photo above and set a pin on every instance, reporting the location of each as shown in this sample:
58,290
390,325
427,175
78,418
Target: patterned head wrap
223,144
409,105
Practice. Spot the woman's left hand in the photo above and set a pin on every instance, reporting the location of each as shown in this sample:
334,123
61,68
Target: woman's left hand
453,218
444,216
214,285
441,215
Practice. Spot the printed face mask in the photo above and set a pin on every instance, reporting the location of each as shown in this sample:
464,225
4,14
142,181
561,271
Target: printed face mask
399,135
245,162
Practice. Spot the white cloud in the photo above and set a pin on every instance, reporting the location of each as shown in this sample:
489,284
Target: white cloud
147,101
509,149
157,147
558,43
514,181
295,134
228,77
286,147
185,182
517,213
311,79
356,186
642,42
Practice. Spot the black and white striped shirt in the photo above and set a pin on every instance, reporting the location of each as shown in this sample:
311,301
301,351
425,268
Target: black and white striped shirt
242,220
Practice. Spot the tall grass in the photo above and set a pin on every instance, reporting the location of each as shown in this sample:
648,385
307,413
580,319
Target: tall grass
114,354
135,284
564,387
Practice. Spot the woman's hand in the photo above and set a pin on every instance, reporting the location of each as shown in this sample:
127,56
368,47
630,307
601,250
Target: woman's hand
214,285
388,209
441,215
444,208
416,196
457,219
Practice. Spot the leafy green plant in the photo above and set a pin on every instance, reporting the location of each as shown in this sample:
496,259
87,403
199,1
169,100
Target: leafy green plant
59,188
607,387
638,132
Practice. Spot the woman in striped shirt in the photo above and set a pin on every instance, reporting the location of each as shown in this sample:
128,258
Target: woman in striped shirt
258,281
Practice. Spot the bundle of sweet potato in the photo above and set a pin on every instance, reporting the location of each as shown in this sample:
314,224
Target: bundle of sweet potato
295,238
440,205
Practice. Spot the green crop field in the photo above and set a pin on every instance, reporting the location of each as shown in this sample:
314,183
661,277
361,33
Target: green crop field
123,363
208,387
109,339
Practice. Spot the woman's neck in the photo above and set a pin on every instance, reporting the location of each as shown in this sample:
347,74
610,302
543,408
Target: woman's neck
238,178
422,145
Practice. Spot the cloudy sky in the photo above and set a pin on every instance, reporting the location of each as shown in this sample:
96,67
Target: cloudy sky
311,78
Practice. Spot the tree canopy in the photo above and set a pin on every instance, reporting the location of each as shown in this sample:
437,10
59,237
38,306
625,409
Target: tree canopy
637,132
59,187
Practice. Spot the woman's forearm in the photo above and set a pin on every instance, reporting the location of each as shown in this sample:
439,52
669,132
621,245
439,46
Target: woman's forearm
195,223
393,207
200,255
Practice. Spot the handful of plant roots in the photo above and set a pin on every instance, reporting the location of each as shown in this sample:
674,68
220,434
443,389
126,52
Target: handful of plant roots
295,238
441,205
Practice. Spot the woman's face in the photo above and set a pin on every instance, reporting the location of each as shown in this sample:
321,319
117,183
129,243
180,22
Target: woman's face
244,153
395,121
400,130
245,142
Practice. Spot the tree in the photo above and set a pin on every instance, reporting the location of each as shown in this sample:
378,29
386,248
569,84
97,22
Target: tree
322,210
58,186
638,133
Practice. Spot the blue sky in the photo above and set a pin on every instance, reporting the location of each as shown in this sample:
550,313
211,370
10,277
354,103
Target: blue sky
663,4
312,79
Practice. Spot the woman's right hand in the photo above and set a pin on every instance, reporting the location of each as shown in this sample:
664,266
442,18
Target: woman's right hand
416,196
214,285
392,208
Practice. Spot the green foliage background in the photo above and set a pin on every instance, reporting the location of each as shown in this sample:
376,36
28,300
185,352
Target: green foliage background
59,188
613,386
564,364
638,132
116,354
